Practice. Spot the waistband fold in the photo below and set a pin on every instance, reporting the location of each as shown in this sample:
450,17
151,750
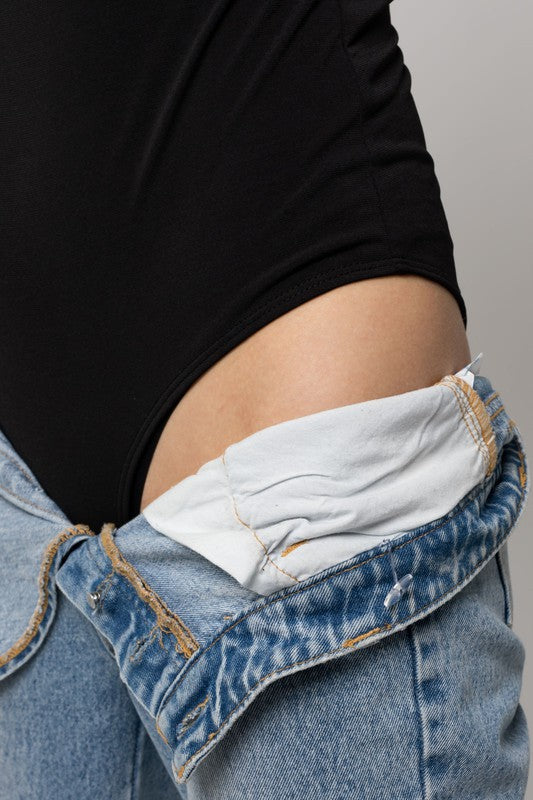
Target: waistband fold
297,497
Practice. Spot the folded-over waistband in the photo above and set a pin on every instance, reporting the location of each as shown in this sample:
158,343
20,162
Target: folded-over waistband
195,646
299,496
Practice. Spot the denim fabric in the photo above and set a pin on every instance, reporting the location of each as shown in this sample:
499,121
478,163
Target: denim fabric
316,690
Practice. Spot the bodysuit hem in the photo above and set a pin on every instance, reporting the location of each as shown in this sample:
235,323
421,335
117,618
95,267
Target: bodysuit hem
277,304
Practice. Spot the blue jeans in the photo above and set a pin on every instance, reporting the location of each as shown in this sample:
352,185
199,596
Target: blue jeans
133,666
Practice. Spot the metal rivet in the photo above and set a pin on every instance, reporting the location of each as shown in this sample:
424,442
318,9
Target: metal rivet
93,598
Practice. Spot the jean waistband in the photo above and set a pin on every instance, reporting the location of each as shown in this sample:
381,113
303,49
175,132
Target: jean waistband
195,646
299,496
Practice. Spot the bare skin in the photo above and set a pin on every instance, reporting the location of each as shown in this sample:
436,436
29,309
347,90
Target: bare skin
364,340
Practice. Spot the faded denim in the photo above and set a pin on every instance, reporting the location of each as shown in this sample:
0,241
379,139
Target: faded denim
153,673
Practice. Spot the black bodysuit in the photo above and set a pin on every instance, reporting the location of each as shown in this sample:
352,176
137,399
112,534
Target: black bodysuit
173,176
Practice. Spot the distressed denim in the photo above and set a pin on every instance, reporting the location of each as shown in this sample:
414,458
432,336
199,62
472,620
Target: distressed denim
133,666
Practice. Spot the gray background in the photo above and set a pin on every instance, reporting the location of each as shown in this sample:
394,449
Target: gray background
471,65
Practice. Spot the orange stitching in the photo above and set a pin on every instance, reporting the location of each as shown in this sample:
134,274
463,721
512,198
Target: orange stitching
42,603
478,409
333,575
469,413
160,732
351,642
487,431
336,649
461,400
254,532
491,397
292,547
498,411
325,578
468,423
167,621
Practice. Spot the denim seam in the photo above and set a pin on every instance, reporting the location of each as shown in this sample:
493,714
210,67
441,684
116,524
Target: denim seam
390,628
43,580
468,500
162,735
305,588
136,761
191,716
490,398
479,433
255,534
495,414
27,502
167,621
464,408
479,409
477,568
415,660
351,642
143,641
20,468
506,590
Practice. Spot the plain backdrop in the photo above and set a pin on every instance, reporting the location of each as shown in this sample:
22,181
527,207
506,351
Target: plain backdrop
471,65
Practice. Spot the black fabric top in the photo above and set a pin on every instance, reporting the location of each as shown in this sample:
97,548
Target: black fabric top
175,175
